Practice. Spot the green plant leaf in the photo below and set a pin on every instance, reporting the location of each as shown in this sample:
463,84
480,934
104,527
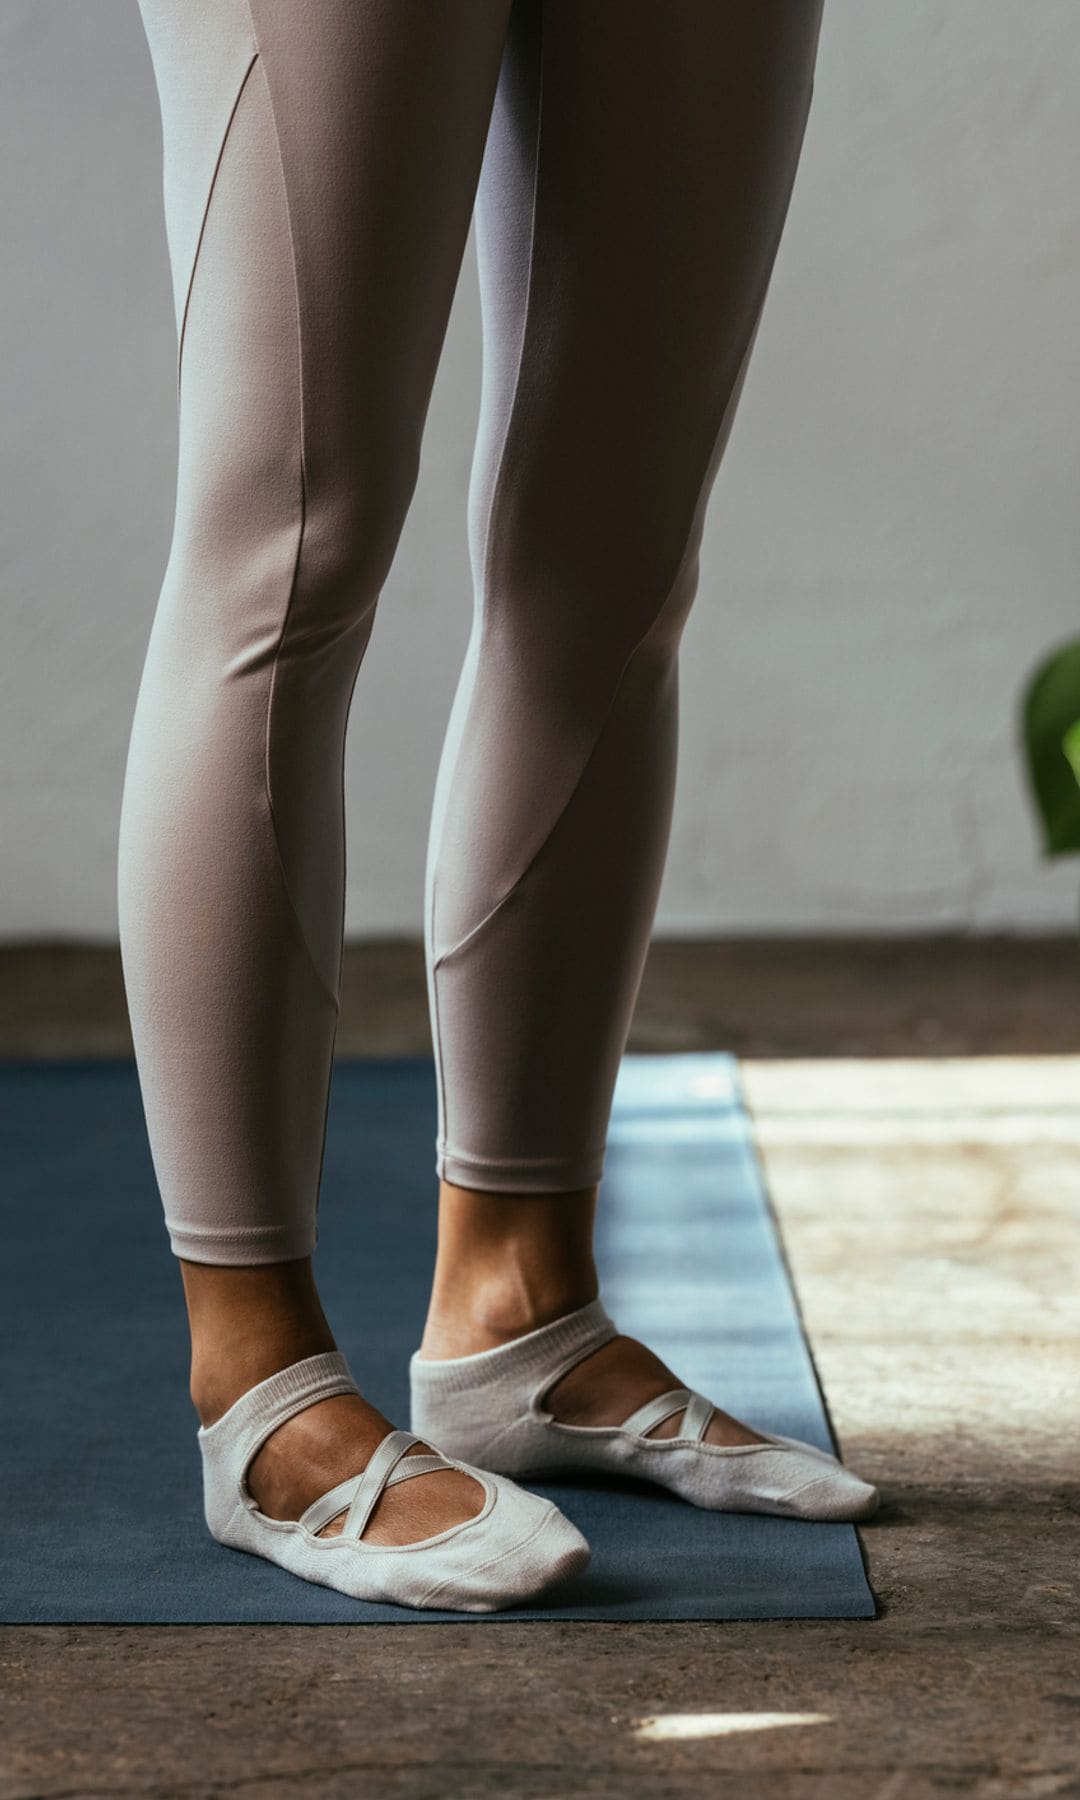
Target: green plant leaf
1051,738
1070,743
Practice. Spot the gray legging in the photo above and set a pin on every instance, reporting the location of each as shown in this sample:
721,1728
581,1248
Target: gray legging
631,164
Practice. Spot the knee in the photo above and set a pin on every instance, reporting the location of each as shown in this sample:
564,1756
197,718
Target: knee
258,529
604,561
595,597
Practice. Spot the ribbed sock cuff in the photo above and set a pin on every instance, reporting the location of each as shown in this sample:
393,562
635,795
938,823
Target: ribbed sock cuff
572,1337
267,1405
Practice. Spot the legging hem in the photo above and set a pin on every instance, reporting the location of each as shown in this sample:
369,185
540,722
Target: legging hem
527,1175
243,1249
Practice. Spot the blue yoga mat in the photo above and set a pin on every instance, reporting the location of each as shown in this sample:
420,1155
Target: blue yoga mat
102,1499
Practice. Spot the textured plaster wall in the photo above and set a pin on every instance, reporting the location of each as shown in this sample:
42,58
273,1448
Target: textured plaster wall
893,541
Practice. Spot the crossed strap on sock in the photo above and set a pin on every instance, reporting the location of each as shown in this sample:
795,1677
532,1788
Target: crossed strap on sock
236,1437
389,1463
696,1423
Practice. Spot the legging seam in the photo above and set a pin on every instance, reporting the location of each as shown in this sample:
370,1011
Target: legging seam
324,985
202,222
563,810
298,922
496,492
714,431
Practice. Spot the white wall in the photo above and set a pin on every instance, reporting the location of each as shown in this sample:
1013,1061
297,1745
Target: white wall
894,538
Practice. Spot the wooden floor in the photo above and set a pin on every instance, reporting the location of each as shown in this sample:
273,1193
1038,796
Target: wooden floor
917,1107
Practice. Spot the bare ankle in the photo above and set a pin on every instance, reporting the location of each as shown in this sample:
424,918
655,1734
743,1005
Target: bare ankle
246,1325
507,1264
485,1315
222,1371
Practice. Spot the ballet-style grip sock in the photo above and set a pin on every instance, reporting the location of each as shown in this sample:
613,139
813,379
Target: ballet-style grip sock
516,1545
490,1408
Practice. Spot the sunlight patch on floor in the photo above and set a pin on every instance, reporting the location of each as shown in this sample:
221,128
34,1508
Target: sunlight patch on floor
666,1727
936,1100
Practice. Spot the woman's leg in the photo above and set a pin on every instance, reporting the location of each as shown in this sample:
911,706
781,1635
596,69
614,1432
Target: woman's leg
635,185
320,166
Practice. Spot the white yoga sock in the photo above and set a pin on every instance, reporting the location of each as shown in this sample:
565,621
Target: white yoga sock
490,1408
516,1545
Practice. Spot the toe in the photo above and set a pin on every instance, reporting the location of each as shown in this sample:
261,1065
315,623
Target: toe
834,1494
529,1551
554,1552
